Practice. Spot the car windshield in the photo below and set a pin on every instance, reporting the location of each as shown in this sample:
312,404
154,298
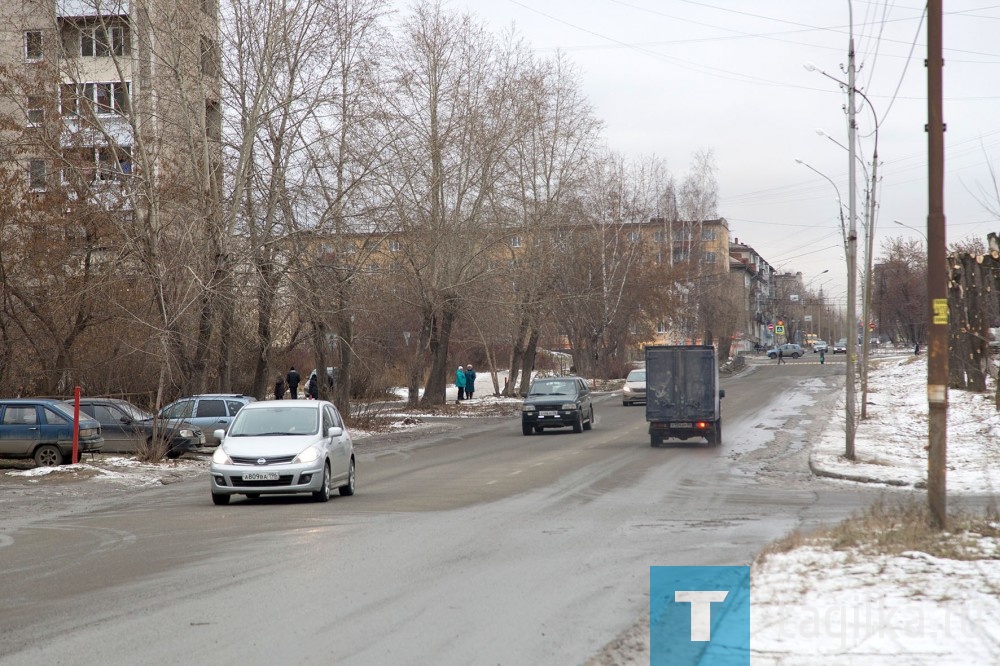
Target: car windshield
636,376
135,413
276,421
551,388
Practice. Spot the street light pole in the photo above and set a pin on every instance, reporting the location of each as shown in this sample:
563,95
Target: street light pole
852,246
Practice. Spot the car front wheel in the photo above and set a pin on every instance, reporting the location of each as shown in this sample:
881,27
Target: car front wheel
590,421
323,494
220,500
348,488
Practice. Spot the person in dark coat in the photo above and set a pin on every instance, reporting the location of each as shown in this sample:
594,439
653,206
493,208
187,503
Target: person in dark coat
293,379
312,387
470,381
279,388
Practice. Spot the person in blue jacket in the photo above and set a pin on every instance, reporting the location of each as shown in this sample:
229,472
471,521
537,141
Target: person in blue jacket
460,382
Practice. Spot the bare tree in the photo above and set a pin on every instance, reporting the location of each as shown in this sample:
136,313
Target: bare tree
452,113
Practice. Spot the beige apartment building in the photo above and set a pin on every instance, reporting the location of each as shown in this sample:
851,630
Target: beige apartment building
98,91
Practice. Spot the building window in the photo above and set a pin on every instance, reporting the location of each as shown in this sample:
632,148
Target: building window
681,255
114,164
634,236
36,175
708,234
659,258
33,45
69,99
213,121
515,241
36,110
107,98
709,257
661,328
209,57
660,236
394,246
101,42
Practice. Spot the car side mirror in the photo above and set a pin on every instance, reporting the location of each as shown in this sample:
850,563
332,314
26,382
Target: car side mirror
334,431
219,434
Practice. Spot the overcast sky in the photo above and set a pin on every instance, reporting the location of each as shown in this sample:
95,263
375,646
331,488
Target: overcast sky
674,77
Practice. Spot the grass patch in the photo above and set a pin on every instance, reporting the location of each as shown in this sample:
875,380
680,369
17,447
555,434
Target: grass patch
892,528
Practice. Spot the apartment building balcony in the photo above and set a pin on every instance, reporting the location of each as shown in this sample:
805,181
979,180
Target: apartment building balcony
75,8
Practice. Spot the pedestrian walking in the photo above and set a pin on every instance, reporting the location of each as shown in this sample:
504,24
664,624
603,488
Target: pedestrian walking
781,357
312,387
822,356
470,381
460,382
293,379
279,388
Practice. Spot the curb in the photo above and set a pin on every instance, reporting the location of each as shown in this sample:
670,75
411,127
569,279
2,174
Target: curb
857,478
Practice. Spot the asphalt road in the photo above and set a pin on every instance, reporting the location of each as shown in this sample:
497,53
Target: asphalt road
480,546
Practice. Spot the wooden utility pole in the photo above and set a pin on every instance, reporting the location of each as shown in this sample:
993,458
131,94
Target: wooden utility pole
937,286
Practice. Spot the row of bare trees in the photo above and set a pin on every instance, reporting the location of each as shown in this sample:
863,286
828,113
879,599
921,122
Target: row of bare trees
332,185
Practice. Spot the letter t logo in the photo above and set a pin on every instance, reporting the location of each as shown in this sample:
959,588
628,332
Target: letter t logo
701,610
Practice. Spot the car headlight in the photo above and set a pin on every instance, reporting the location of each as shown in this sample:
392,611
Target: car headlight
220,457
570,406
309,455
186,433
88,432
628,389
529,408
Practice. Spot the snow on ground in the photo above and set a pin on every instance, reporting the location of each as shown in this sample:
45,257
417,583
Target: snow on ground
816,604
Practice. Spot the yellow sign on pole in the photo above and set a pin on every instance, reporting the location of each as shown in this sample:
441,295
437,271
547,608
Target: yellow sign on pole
779,329
940,306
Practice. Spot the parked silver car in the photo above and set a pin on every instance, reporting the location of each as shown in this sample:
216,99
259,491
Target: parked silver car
278,447
790,350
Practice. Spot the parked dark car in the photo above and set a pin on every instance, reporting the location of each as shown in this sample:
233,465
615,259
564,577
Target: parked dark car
208,411
126,427
42,428
557,402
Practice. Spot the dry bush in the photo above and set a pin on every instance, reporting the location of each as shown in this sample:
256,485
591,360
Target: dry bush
891,528
370,417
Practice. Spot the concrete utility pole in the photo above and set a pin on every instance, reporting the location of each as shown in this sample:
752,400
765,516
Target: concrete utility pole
937,286
852,255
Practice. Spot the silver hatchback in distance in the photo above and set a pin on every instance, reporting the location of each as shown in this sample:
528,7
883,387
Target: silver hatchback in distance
280,447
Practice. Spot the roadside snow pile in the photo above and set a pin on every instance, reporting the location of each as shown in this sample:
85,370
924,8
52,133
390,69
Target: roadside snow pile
891,443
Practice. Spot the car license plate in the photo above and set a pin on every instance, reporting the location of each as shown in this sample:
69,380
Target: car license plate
682,425
548,413
260,476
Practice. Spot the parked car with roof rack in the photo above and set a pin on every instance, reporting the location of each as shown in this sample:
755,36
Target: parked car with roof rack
208,411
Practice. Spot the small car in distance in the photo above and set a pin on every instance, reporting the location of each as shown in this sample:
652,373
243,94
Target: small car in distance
820,346
557,402
840,347
279,447
42,428
634,389
789,350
